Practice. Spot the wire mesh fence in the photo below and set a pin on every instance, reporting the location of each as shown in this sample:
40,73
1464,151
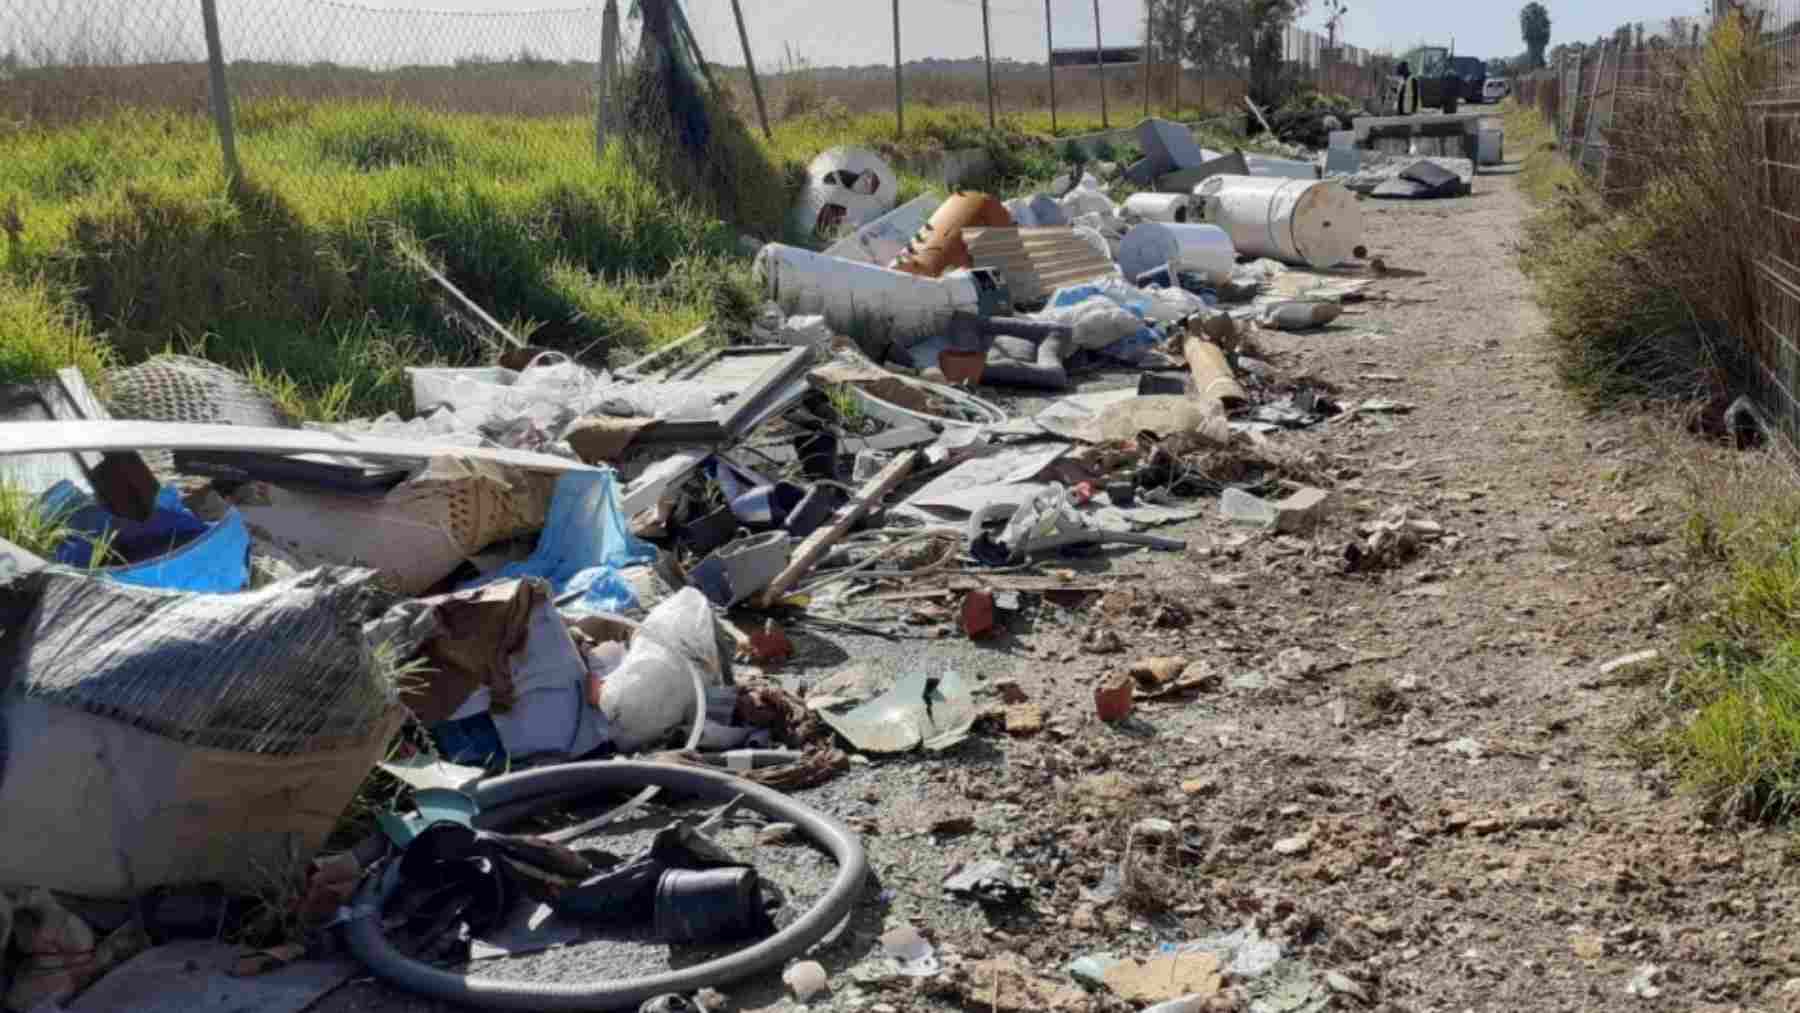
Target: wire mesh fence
67,60
1610,100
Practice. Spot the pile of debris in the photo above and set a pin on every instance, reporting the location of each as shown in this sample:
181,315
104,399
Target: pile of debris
550,563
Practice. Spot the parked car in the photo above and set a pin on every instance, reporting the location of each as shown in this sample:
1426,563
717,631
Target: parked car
1496,89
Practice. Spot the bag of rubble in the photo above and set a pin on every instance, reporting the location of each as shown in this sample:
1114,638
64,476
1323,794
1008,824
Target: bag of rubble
154,737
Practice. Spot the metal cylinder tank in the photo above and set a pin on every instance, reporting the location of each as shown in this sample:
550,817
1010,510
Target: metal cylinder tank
1203,249
1311,222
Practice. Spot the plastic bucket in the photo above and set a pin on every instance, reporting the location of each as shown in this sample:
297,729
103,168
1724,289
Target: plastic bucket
1311,222
1201,249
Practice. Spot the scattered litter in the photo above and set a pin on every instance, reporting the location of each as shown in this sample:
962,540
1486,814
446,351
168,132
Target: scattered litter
912,953
931,711
990,881
805,979
1167,977
1645,982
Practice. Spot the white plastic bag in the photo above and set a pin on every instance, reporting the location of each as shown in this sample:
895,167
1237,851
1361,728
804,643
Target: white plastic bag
1097,321
652,691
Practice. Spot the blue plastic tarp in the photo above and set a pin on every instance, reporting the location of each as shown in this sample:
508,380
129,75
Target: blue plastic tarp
586,541
177,550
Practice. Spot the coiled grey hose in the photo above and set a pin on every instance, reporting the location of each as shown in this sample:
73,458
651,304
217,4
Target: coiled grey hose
508,795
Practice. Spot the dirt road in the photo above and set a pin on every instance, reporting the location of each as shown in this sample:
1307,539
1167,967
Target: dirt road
1417,779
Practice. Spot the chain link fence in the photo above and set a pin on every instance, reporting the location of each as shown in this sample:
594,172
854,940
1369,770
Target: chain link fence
63,61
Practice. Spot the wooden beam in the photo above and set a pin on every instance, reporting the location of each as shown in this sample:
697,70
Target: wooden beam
817,543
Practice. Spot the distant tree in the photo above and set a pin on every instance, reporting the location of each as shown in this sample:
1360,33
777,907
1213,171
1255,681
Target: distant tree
1534,26
1336,9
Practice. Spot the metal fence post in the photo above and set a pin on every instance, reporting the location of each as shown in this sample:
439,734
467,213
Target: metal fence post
1050,57
1146,59
899,88
762,110
221,98
987,50
605,110
1100,66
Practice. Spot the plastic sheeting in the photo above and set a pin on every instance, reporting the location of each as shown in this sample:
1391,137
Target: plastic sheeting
586,541
1103,330
165,737
267,671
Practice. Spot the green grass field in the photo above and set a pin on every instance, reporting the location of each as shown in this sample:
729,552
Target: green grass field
125,240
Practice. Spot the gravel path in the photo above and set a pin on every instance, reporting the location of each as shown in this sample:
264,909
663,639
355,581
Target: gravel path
1415,781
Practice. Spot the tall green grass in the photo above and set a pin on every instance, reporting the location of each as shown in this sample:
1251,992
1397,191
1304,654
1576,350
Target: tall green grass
130,240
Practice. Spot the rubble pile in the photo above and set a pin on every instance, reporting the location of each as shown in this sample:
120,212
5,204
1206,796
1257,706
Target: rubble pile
550,562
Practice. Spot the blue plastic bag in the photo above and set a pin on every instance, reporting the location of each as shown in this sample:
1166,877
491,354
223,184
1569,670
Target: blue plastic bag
586,531
185,553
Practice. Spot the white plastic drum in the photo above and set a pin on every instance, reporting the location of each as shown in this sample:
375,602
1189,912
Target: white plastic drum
1175,208
871,304
1203,249
1316,222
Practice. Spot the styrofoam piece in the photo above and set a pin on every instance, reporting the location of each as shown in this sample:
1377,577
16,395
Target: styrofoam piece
868,303
1203,249
1489,147
845,188
1311,222
1178,208
881,240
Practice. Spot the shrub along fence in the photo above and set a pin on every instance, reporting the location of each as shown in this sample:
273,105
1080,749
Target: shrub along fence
1618,105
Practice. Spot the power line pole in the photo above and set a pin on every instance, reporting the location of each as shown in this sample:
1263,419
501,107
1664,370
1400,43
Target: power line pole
899,88
987,48
1100,65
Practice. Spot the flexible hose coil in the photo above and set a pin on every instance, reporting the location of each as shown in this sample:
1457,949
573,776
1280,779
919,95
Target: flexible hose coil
513,794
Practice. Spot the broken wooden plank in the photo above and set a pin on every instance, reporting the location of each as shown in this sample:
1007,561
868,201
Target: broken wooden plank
122,482
813,549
